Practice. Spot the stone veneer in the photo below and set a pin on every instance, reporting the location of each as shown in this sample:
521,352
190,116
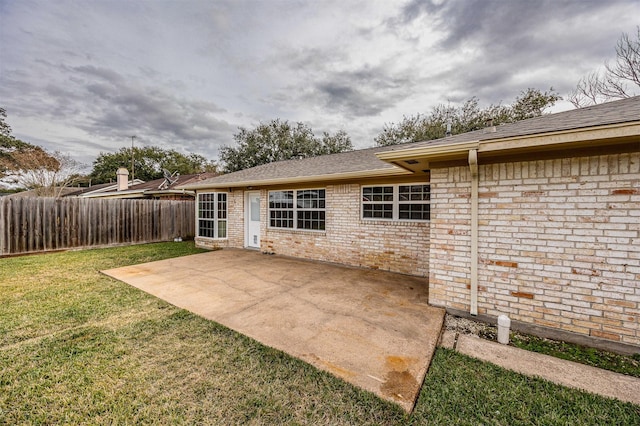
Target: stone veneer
559,243
391,246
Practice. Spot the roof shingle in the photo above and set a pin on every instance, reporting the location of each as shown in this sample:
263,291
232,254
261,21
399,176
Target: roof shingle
622,111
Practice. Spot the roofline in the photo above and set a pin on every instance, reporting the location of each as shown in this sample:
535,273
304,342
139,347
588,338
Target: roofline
443,151
168,191
131,193
396,171
573,138
108,187
584,136
115,194
539,142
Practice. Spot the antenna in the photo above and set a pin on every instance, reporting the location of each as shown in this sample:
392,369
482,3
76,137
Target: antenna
133,175
169,179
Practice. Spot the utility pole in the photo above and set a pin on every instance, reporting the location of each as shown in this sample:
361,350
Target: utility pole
133,175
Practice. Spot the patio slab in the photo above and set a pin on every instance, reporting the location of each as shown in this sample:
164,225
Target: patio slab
371,328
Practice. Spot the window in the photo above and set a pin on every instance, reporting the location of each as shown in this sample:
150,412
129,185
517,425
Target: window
377,202
414,202
212,215
281,209
301,209
396,202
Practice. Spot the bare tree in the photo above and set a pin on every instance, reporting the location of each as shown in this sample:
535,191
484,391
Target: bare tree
48,174
32,167
617,81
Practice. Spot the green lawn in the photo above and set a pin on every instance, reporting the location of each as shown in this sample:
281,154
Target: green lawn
623,364
80,347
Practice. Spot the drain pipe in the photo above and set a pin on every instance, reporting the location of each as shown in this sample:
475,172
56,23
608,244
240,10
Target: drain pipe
473,167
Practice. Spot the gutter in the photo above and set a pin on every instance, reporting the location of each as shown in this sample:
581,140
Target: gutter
395,171
473,168
439,152
115,194
536,142
169,191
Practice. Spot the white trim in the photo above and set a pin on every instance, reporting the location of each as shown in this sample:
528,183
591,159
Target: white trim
384,172
295,210
215,219
247,219
395,214
473,168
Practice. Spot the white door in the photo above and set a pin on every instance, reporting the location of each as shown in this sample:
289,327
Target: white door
252,219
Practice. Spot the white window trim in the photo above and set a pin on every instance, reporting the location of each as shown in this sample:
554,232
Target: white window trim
396,203
295,211
215,219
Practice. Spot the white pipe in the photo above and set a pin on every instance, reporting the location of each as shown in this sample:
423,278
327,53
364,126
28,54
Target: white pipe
473,167
504,324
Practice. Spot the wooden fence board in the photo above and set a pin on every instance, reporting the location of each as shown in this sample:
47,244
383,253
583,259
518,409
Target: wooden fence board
29,225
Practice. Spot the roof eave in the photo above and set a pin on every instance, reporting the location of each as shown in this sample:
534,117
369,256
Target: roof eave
118,194
168,192
540,142
440,152
567,139
395,171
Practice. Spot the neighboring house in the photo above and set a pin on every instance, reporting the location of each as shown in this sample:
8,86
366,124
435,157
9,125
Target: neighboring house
87,191
164,189
42,192
538,219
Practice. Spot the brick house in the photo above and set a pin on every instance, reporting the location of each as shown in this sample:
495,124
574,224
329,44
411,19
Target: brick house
539,219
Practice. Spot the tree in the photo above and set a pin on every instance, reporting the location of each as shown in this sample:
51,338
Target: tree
618,81
48,178
16,156
5,129
29,165
32,167
148,163
279,140
466,118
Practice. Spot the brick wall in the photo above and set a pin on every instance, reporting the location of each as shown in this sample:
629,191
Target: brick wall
450,242
391,246
235,224
559,243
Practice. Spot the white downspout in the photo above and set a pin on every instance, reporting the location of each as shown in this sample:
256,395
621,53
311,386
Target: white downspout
473,167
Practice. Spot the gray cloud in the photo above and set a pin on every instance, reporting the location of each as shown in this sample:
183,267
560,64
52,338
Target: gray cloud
109,103
508,41
365,92
497,23
186,74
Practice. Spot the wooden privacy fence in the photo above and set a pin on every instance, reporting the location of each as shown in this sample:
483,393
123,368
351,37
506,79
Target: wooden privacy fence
38,224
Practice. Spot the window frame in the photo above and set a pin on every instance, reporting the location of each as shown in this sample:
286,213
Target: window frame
395,202
297,211
218,206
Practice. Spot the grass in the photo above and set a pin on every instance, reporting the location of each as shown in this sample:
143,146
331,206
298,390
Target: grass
624,364
78,347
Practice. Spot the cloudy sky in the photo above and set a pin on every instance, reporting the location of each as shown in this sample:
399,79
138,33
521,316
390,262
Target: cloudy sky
81,77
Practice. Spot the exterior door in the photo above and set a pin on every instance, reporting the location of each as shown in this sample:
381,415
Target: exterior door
252,219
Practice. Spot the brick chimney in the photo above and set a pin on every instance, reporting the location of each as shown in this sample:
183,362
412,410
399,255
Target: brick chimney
123,179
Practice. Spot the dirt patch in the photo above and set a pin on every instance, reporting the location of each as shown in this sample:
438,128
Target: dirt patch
467,326
400,385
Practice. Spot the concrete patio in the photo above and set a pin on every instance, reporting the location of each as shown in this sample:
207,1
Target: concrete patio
371,328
